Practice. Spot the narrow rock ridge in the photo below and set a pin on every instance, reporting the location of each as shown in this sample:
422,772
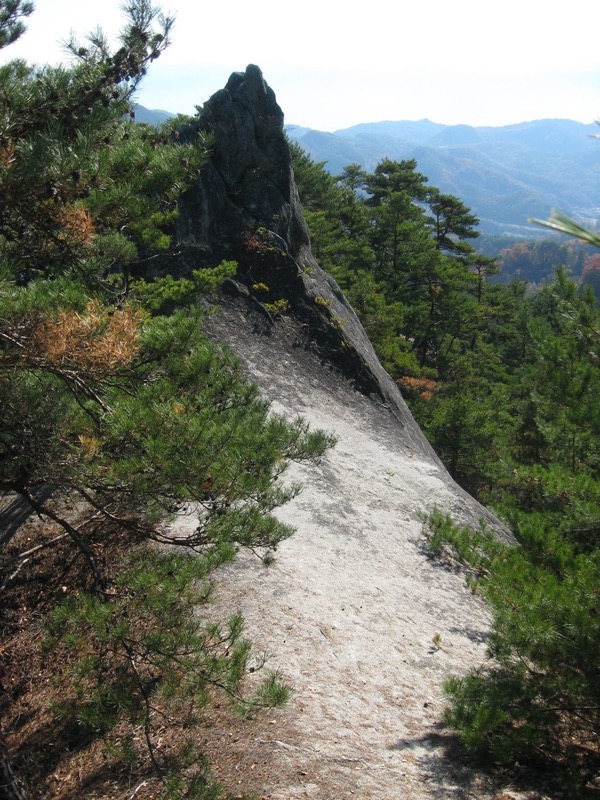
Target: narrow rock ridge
353,612
245,207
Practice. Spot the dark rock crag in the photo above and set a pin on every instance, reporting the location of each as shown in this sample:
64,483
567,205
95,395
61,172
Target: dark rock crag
248,184
245,207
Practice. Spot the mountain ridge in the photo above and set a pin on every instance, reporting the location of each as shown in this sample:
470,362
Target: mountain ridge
351,603
505,174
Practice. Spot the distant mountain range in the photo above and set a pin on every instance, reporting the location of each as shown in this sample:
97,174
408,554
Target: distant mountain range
504,174
152,116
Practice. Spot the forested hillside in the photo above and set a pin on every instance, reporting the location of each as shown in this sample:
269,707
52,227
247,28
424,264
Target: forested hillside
505,174
536,261
505,384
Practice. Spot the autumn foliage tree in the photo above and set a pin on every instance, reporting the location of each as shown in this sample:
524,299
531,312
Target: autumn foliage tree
591,274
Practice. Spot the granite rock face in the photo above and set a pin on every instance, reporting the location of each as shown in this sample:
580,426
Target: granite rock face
245,207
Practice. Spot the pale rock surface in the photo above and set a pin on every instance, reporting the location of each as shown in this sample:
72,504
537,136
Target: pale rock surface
354,612
353,606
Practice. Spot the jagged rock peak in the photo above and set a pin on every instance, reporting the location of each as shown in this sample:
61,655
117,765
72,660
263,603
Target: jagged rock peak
250,88
245,207
249,183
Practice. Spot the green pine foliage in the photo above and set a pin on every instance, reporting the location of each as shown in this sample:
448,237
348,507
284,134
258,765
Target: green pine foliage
150,652
118,415
539,700
400,250
12,20
115,416
166,294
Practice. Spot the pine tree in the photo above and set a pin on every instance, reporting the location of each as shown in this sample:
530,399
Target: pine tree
12,24
538,700
114,407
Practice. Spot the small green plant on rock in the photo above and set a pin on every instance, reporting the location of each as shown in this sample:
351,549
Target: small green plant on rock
277,307
338,322
258,241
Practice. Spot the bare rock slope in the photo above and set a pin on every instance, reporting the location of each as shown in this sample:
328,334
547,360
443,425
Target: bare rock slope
354,613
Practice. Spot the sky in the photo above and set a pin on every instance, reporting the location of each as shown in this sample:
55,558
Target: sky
333,65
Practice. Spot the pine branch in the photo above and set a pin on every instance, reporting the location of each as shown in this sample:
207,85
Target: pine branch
561,223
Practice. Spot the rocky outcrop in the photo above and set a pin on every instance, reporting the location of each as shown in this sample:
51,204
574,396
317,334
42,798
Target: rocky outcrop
245,207
353,610
248,188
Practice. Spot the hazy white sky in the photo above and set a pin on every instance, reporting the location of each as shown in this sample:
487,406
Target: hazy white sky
333,64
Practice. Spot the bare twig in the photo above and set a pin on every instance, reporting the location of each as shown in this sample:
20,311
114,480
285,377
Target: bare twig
72,532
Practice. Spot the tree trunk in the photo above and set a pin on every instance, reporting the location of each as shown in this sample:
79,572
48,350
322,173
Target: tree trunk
9,786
